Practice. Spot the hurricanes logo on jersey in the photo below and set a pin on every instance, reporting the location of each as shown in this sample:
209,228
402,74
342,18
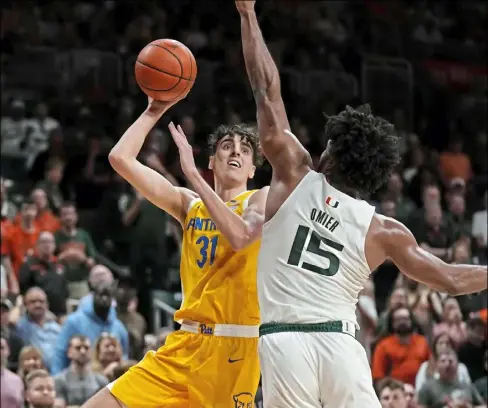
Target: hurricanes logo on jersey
333,203
243,400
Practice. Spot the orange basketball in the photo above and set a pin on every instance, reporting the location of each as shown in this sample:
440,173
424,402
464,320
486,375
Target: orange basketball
166,70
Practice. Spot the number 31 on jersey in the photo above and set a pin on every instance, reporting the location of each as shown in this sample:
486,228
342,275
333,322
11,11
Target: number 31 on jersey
314,247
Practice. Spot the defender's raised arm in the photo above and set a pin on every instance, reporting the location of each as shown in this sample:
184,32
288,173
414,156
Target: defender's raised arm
280,146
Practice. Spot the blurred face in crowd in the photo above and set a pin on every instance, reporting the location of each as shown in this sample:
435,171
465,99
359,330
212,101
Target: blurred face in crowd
433,216
41,392
409,395
461,253
188,126
79,351
388,208
431,194
398,298
395,184
123,296
40,199
477,333
457,205
4,352
109,350
68,216
452,311
233,161
42,110
102,298
393,398
55,173
402,322
46,244
28,212
443,344
4,316
35,301
30,360
447,365
100,274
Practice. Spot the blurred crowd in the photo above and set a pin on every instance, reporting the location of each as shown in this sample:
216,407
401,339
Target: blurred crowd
84,256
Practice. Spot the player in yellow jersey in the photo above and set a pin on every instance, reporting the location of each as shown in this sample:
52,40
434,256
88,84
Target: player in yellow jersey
212,361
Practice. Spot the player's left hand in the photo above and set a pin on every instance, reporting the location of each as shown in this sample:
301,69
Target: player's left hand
187,160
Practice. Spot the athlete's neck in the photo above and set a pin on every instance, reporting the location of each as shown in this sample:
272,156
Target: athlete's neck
228,193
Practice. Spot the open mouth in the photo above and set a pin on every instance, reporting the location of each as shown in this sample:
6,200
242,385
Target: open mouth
234,163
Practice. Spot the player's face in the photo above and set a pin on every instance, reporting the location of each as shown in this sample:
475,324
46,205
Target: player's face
233,160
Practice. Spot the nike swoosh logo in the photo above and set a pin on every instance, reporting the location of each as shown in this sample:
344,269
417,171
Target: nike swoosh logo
234,361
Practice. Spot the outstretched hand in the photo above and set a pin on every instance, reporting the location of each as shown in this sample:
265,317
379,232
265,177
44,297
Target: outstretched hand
185,150
245,5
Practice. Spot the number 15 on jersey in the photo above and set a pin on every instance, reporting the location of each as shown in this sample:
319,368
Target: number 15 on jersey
314,247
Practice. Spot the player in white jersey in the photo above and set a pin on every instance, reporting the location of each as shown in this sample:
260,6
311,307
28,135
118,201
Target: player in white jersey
319,244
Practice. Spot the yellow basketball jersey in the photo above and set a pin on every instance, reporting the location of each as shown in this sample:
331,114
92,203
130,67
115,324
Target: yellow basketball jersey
218,283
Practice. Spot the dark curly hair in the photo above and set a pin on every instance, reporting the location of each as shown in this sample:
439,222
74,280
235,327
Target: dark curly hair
363,148
247,132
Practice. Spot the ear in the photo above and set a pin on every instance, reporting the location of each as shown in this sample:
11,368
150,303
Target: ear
211,162
252,172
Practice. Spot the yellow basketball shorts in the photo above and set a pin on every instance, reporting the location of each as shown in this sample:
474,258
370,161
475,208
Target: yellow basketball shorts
197,368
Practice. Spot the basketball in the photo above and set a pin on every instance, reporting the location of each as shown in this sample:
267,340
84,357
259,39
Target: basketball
165,70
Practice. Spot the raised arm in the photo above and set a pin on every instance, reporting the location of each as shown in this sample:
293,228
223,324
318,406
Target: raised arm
151,184
282,149
393,240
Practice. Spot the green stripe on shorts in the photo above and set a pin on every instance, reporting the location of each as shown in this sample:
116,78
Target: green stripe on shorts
332,326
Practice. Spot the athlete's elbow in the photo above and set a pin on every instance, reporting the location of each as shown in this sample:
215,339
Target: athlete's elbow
117,160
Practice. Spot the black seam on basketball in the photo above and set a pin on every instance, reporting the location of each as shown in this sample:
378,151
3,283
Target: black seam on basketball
156,90
191,71
174,55
163,72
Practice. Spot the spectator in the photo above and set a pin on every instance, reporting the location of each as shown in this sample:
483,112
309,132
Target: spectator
457,211
11,385
45,220
44,271
21,239
36,327
10,334
30,359
107,355
447,390
433,234
98,274
77,383
397,299
480,227
126,312
45,123
391,393
452,323
441,343
40,391
400,354
9,210
14,130
404,205
481,384
410,396
76,251
91,320
454,163
51,183
472,352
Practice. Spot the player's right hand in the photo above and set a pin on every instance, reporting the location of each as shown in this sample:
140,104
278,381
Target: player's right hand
245,5
159,107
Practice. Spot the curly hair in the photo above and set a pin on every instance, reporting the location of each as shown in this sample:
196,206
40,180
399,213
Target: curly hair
247,132
363,148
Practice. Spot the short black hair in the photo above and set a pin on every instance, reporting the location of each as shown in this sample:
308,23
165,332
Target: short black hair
364,149
247,132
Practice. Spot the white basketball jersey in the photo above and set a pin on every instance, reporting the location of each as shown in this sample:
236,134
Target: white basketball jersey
312,264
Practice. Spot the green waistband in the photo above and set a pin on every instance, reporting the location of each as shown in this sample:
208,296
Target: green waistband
332,326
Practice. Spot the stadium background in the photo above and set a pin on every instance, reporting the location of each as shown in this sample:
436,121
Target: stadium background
68,93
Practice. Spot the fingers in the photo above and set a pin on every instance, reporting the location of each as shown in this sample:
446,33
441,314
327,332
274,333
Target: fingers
177,133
